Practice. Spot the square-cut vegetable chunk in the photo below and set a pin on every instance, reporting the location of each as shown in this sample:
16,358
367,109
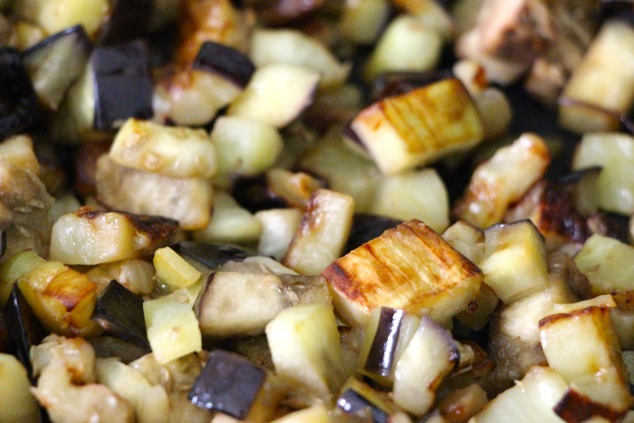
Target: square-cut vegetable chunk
415,128
409,267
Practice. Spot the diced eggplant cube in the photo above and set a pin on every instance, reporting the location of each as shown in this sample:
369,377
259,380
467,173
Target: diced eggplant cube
229,383
120,312
226,61
128,19
56,62
122,83
18,103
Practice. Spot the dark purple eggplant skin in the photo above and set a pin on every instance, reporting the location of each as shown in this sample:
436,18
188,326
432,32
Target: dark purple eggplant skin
212,255
229,383
352,402
129,19
77,31
122,83
226,61
18,102
622,10
119,312
366,227
24,328
5,340
381,355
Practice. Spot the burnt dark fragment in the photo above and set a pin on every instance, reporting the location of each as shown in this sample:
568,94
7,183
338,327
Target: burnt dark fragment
122,84
18,102
226,61
253,193
366,227
229,383
577,407
381,355
212,255
120,312
24,329
129,19
352,402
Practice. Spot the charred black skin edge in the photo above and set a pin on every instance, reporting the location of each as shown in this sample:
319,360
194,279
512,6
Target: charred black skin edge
229,383
129,19
212,255
381,355
366,227
226,61
23,327
24,331
18,102
122,83
76,30
120,312
351,402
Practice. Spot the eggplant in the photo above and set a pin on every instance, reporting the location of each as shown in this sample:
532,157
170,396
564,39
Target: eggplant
128,20
122,84
366,227
24,328
212,255
381,355
360,400
231,384
5,340
18,102
226,61
56,62
120,312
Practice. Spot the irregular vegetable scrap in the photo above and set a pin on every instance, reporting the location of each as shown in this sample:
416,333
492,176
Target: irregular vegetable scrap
316,211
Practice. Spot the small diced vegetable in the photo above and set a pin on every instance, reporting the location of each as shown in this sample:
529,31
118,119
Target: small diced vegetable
172,328
304,344
427,360
231,384
173,270
415,128
276,94
531,399
614,153
62,298
229,222
94,236
514,261
187,200
322,232
582,346
503,179
409,267
407,44
291,47
222,314
179,152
